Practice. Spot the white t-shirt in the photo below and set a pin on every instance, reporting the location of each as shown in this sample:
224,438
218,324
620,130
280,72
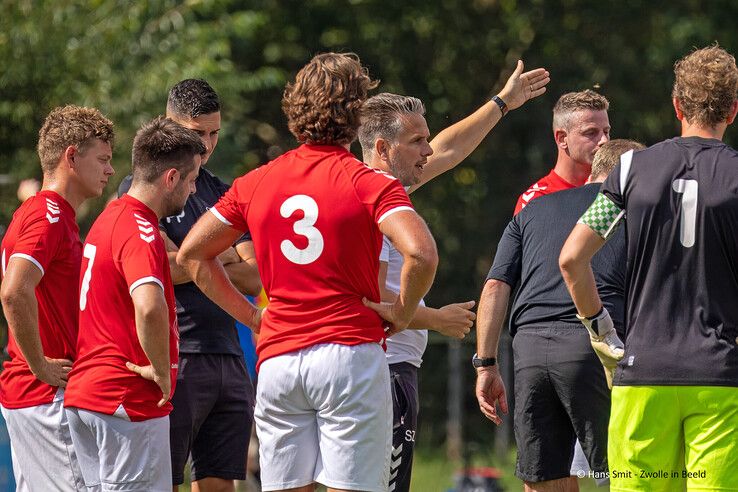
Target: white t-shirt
408,345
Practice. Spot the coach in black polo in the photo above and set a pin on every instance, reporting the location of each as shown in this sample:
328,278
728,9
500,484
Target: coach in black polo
214,400
561,392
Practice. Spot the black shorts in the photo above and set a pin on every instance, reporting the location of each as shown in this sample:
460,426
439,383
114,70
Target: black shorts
560,395
404,381
212,417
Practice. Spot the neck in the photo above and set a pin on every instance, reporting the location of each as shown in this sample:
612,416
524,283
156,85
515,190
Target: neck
64,188
689,130
570,170
150,196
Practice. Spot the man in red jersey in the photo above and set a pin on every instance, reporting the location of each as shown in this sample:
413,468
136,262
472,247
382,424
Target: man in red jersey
41,254
117,401
580,127
317,215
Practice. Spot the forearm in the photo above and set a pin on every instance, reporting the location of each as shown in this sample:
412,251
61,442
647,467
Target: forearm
426,318
210,276
152,328
580,281
245,277
179,274
491,316
21,312
416,279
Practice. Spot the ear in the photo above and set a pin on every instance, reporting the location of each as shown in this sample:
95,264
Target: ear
171,178
69,155
382,148
733,112
677,108
560,138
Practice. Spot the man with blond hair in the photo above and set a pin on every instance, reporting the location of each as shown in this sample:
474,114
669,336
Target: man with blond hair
580,127
559,394
317,214
41,256
675,394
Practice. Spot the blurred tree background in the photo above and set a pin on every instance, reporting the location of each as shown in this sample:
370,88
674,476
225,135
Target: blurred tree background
123,56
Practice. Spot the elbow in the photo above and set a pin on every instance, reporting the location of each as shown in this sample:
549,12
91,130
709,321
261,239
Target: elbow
425,254
568,262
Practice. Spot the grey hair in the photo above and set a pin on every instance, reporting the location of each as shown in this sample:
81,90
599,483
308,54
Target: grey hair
381,117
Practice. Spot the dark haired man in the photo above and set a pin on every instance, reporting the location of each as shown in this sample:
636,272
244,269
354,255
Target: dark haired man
213,406
41,254
323,405
675,393
117,400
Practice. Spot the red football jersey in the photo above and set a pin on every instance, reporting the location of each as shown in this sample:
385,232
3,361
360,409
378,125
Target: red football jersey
123,250
551,183
313,214
44,232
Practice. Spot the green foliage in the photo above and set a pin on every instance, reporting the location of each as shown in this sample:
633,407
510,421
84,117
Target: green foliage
123,56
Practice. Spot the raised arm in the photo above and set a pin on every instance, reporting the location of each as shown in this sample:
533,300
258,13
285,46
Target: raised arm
455,143
18,295
198,255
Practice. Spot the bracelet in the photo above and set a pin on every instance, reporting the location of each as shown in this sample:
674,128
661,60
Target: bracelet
498,100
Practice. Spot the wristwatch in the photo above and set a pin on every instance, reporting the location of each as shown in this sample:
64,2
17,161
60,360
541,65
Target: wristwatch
503,107
483,362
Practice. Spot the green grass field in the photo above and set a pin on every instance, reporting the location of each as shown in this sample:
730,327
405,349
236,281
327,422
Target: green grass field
434,473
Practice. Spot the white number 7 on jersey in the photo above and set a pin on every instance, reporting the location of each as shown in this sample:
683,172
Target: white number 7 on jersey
688,222
89,253
303,227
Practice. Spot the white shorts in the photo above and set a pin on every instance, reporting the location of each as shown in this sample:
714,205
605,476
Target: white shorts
324,414
116,454
41,448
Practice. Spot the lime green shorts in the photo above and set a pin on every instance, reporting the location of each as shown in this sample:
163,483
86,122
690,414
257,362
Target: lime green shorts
668,438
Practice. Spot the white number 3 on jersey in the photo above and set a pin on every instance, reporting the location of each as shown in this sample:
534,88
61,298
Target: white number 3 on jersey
303,227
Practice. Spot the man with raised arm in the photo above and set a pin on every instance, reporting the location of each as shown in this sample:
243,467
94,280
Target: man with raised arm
394,138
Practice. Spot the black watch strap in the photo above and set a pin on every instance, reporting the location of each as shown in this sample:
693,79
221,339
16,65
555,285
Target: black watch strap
483,362
503,107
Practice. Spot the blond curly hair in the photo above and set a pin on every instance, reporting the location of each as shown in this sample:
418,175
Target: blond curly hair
71,126
323,104
706,85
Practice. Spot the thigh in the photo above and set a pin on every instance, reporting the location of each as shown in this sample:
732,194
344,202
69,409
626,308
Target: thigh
221,444
132,456
645,448
285,425
404,385
579,382
198,385
543,431
711,446
42,447
350,388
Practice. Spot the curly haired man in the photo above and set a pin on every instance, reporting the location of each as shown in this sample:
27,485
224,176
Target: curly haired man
675,390
317,216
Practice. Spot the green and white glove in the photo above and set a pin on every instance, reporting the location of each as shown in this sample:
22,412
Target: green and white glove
605,341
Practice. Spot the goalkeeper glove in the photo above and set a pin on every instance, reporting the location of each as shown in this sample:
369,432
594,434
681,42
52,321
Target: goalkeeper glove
605,341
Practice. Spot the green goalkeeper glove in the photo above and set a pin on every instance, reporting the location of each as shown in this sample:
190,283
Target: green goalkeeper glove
605,341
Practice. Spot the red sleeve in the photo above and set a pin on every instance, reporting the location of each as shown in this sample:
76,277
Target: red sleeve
380,193
140,253
39,239
233,206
